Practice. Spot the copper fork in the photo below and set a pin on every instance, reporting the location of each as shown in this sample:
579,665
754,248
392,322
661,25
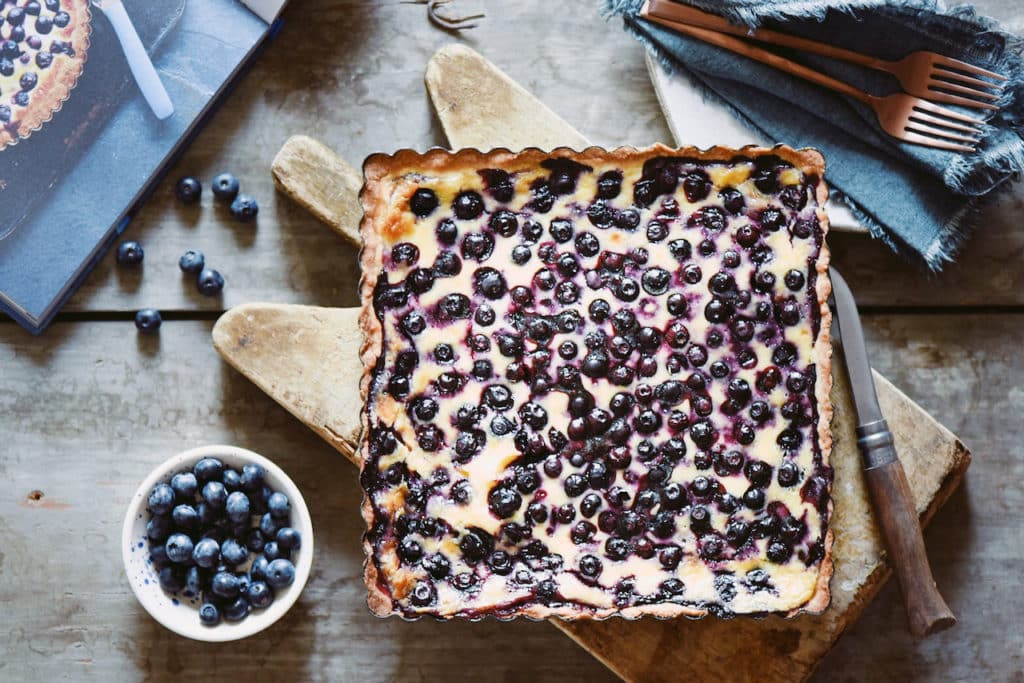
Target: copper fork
922,73
907,118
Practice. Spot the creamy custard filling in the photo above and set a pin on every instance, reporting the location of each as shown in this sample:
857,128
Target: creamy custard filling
597,388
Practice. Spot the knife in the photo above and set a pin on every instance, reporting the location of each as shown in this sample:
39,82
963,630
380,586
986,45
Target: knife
894,507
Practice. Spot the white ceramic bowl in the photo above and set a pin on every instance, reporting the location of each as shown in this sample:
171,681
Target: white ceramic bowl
178,612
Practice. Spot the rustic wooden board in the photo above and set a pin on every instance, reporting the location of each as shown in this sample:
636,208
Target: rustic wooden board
306,358
463,85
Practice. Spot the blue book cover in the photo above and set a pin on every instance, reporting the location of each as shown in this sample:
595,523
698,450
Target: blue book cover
96,99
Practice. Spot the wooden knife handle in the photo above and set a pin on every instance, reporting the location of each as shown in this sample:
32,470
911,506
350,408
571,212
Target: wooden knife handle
900,525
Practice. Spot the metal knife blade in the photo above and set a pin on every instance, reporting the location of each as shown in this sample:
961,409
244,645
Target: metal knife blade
862,384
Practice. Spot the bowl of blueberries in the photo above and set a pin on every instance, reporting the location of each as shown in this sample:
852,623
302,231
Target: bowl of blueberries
217,543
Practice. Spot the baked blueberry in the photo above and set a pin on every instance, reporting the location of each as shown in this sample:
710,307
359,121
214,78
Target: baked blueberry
468,205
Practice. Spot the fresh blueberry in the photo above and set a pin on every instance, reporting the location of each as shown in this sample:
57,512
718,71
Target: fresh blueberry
215,495
161,499
172,579
158,556
192,262
244,208
237,610
188,190
237,507
259,594
252,477
130,253
159,527
258,570
254,540
194,580
225,186
209,615
269,525
206,552
209,282
208,469
280,573
148,320
279,505
288,538
233,553
273,551
184,485
224,584
179,548
232,479
185,517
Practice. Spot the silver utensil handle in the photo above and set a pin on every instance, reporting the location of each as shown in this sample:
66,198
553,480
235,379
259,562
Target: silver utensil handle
138,61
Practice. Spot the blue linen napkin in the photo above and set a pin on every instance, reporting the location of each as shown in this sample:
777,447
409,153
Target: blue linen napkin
921,201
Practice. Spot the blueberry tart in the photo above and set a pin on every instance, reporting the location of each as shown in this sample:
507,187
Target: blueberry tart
43,45
596,383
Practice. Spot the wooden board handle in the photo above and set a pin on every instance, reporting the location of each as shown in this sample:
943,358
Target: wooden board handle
897,519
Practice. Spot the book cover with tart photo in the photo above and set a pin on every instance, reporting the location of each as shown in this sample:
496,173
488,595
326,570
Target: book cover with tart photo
71,105
596,383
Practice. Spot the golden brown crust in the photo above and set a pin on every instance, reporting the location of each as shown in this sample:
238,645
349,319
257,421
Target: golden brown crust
55,85
379,166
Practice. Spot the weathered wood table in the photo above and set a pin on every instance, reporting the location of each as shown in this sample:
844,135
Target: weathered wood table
88,409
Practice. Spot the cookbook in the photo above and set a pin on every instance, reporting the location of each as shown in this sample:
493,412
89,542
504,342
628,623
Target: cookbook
97,98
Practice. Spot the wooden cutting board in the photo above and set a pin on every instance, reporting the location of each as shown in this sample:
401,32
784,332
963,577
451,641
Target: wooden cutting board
306,358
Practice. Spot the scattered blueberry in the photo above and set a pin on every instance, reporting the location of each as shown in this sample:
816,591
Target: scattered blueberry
244,208
188,190
148,320
130,253
225,186
192,262
210,282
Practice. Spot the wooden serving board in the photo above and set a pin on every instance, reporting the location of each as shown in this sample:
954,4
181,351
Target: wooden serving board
306,358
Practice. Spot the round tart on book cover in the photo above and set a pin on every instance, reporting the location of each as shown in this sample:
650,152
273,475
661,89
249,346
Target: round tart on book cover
43,45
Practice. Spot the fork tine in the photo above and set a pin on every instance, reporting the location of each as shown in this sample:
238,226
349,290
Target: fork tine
941,75
944,123
925,129
939,96
937,85
933,142
950,63
944,111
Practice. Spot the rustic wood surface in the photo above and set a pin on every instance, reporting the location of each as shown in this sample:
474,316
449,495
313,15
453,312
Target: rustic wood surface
88,408
282,347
